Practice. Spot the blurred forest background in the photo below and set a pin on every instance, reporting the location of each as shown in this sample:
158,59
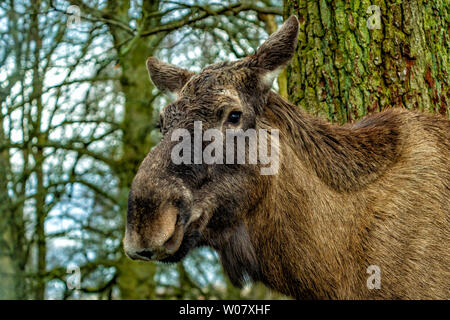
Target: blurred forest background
78,112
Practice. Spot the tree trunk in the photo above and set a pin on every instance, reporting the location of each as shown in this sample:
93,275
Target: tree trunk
135,279
38,154
357,57
7,263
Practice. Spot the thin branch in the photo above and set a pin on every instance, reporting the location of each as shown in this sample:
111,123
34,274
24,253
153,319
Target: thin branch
232,9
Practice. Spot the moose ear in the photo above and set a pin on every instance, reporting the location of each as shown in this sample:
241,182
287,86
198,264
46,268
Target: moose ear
276,52
166,77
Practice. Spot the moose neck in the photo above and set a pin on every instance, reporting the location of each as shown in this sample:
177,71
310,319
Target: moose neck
309,221
344,158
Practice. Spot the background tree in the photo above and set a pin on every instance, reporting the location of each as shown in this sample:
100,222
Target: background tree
77,117
357,57
50,143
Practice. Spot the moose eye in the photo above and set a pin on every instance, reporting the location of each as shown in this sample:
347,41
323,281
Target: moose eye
234,117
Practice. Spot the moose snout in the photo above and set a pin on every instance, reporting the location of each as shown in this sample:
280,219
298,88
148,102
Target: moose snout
159,207
156,219
155,236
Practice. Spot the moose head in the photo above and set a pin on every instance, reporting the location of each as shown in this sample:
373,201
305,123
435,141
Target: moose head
175,207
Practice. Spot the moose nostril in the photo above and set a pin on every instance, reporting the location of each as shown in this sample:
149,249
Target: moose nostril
145,253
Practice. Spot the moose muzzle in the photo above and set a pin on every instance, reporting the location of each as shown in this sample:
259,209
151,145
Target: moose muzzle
154,228
157,240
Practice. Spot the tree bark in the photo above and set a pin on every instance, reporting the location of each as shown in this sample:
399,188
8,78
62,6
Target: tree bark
135,279
356,57
38,155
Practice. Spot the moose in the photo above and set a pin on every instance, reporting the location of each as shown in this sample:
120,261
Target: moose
344,198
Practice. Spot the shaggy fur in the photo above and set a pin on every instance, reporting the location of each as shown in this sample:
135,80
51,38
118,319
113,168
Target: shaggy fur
376,192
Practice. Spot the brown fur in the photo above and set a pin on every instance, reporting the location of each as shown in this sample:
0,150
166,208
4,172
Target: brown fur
345,197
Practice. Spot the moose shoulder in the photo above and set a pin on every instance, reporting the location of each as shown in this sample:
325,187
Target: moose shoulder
343,198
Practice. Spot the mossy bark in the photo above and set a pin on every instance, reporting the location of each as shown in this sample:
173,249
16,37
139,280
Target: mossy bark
347,66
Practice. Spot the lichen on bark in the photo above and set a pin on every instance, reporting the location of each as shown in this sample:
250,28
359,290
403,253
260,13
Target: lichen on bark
343,69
